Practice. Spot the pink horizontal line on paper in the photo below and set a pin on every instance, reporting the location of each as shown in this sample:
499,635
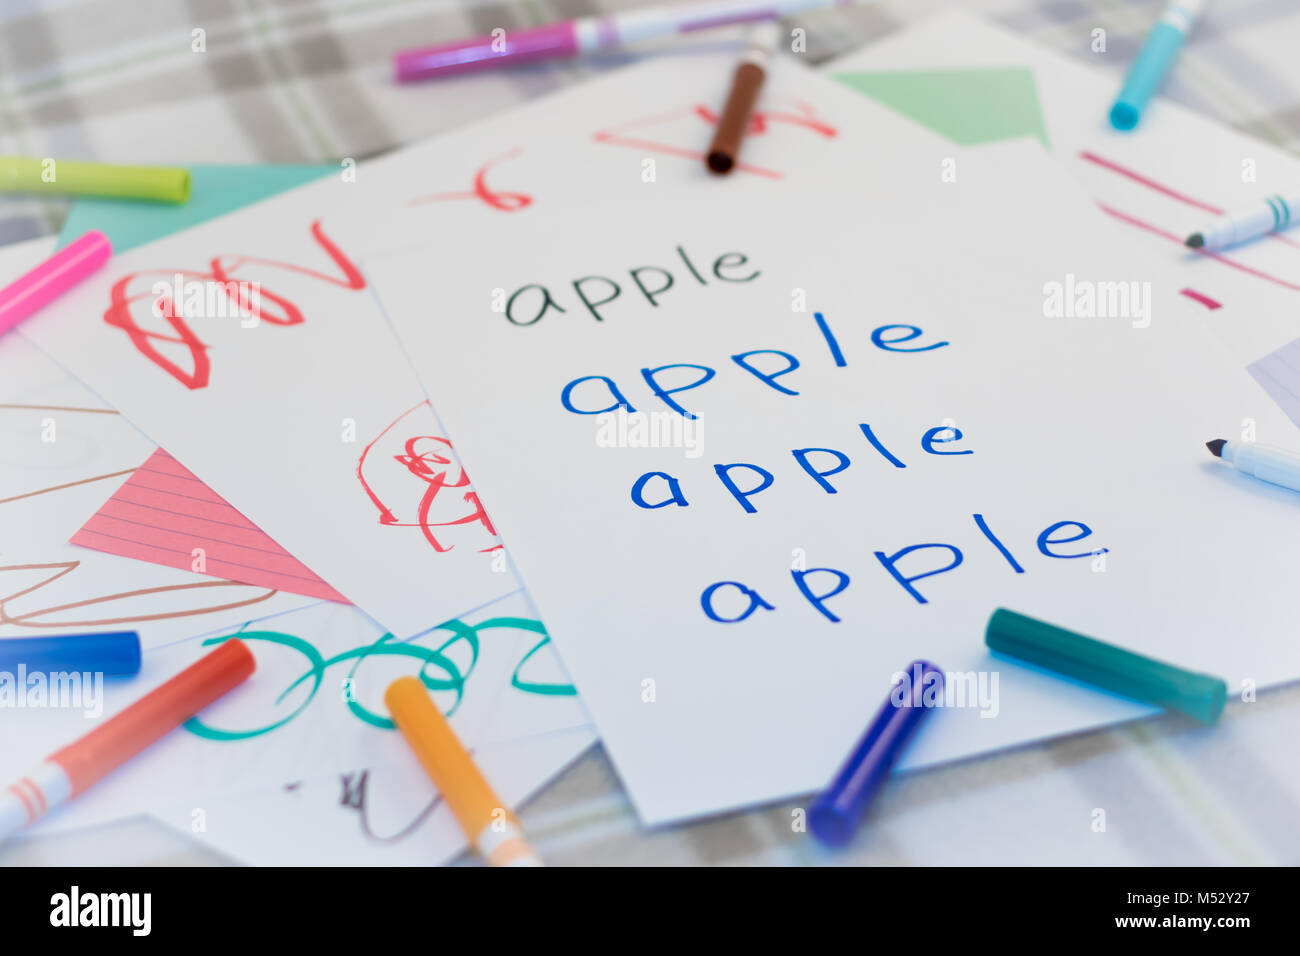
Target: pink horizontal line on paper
1202,298
163,512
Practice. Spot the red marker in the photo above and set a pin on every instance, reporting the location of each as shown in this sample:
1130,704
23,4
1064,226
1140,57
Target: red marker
67,772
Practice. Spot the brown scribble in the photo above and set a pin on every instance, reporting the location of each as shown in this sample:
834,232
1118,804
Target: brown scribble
70,484
62,568
63,408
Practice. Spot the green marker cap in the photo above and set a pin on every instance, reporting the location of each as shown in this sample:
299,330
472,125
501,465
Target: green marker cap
1105,665
69,177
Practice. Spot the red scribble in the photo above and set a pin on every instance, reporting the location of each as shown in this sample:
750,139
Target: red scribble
760,120
423,457
1168,191
423,465
1205,300
222,271
801,115
504,201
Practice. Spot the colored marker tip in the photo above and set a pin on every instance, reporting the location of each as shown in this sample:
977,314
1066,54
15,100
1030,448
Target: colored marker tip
1123,116
1195,241
1216,447
720,162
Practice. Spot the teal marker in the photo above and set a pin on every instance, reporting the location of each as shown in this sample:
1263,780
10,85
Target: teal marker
1157,56
1105,665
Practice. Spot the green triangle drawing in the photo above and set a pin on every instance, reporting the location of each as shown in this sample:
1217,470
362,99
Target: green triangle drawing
215,191
968,107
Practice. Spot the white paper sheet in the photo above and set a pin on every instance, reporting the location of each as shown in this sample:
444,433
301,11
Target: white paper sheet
277,417
1086,428
314,707
1154,182
62,453
390,816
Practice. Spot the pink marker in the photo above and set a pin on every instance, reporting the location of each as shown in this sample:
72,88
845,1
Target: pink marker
53,277
570,37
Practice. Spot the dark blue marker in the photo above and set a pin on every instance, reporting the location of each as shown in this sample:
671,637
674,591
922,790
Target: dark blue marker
835,814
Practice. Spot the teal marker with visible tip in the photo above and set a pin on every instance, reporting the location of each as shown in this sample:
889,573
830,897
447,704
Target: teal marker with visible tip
1156,57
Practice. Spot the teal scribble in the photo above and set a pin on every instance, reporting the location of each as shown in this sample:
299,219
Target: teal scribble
451,678
531,687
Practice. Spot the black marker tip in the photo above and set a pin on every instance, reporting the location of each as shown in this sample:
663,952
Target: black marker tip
1195,241
720,162
1216,447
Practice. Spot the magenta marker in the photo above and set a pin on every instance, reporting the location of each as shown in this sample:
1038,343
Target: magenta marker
569,38
53,277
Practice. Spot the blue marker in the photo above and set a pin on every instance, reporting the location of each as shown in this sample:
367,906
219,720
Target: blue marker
115,654
1153,62
835,814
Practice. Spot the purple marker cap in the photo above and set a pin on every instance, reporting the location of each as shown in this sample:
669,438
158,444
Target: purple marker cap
514,46
835,814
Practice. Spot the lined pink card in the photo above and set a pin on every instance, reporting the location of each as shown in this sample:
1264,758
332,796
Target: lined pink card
164,514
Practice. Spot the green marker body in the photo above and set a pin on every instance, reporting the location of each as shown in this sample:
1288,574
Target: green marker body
69,177
1142,678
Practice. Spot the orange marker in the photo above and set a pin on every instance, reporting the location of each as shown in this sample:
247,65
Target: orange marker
490,826
69,771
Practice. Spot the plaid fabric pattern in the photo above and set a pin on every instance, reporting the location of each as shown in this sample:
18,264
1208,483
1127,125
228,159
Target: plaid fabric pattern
297,81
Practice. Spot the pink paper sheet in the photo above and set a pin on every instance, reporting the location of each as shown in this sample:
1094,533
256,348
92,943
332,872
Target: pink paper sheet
164,514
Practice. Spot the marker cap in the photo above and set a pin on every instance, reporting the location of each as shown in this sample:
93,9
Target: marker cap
70,177
1105,665
114,654
166,707
53,277
1145,75
448,764
835,814
515,46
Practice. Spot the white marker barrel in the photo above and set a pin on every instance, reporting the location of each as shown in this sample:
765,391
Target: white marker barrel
1265,462
31,797
1269,215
